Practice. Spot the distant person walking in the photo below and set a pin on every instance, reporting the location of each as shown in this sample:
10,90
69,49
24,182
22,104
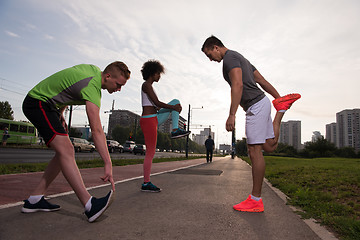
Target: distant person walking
210,145
5,136
154,114
44,106
261,132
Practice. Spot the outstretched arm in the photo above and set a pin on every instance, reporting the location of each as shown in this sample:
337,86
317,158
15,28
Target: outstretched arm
236,94
99,138
265,84
148,89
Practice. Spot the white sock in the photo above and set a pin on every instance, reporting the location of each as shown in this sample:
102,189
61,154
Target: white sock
282,111
35,198
88,205
255,198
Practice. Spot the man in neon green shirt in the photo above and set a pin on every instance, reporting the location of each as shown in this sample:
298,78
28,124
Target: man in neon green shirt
44,106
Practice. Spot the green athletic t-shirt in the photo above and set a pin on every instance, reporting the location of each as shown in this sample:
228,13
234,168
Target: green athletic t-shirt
71,86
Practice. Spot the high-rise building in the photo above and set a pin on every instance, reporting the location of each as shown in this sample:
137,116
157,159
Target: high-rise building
201,138
331,133
166,127
290,133
124,118
225,148
348,129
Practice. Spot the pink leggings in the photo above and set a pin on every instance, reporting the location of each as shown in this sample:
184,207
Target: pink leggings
149,127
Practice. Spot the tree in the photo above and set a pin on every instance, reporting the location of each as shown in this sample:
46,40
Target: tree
120,134
165,141
319,148
6,110
74,132
139,137
241,147
285,150
347,152
196,148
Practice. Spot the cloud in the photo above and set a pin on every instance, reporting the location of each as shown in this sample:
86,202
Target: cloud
11,34
48,37
299,46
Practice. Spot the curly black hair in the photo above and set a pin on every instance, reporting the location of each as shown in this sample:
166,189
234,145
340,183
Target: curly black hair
150,68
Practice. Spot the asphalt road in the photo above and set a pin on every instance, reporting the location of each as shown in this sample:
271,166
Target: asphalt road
15,155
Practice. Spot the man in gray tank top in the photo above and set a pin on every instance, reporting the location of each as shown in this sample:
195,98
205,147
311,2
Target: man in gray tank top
261,132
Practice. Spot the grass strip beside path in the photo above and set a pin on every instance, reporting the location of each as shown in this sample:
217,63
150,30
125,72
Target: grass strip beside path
40,167
326,189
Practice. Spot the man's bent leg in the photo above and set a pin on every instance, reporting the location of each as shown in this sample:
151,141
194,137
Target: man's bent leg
66,157
51,172
271,144
258,168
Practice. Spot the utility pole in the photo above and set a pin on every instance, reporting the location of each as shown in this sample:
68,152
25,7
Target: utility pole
110,111
70,115
187,137
135,130
233,144
188,128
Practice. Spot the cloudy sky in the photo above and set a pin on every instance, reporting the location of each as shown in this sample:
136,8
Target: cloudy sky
310,47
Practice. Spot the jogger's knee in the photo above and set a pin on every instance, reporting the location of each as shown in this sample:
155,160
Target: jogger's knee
174,102
253,151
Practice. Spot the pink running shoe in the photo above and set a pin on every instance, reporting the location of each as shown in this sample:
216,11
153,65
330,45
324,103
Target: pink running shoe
285,102
250,205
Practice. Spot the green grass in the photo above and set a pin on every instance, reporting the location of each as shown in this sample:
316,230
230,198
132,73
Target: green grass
39,167
326,189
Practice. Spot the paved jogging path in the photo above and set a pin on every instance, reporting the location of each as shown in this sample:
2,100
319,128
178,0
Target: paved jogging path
195,203
17,187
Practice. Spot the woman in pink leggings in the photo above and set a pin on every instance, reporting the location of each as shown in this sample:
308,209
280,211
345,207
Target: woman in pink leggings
154,114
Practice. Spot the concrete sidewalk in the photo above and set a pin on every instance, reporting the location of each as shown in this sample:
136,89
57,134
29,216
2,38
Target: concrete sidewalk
195,203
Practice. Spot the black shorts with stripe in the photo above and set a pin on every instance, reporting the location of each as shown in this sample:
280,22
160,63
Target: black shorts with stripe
45,117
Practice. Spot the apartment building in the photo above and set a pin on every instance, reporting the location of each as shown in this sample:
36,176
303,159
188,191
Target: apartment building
290,133
348,129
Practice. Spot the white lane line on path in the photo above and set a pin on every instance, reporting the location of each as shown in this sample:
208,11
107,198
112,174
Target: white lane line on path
99,186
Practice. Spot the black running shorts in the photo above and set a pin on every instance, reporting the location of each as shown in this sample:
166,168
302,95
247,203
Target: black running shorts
45,117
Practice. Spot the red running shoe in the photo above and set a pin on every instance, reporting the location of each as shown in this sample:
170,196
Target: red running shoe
285,102
250,205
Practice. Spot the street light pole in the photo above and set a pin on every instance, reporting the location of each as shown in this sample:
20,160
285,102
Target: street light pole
187,137
188,128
